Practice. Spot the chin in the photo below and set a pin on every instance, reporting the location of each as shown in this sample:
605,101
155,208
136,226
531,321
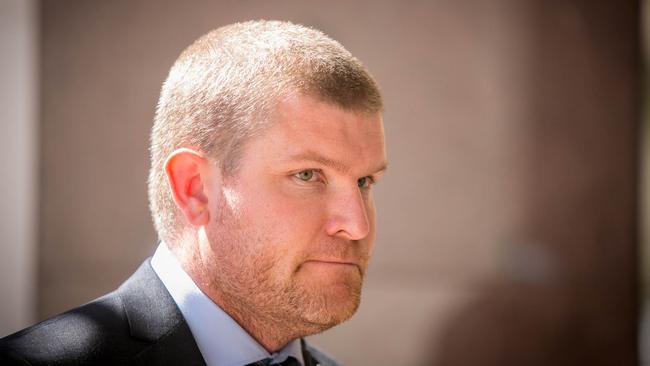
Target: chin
326,310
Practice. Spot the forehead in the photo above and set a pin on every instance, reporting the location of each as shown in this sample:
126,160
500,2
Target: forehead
306,126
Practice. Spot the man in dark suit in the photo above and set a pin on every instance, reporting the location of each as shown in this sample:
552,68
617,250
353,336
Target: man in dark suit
266,143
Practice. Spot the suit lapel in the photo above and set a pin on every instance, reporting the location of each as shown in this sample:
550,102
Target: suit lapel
154,317
175,348
307,357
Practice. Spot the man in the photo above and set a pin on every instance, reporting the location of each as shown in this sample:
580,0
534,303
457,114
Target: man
265,146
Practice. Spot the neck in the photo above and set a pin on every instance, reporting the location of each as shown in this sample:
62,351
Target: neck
272,334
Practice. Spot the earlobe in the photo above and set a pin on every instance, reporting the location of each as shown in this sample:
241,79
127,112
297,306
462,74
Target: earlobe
186,175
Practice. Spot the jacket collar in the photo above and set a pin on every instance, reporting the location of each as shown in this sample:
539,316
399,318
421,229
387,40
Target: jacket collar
154,318
150,309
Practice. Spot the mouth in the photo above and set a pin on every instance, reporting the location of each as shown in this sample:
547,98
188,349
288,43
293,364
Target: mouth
333,264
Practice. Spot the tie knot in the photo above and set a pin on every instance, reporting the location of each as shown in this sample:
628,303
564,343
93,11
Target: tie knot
290,361
264,362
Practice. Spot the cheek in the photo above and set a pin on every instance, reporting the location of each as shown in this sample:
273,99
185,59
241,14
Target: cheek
372,217
232,199
284,216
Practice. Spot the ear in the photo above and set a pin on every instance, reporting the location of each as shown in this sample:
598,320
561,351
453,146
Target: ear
186,173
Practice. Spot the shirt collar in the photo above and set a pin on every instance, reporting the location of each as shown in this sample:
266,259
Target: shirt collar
221,340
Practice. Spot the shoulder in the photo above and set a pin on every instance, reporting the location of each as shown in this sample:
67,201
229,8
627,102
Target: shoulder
139,323
82,334
319,356
109,330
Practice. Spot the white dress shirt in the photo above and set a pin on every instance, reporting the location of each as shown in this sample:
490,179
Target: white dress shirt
221,340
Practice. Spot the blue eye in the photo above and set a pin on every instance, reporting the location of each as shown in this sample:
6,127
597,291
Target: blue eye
305,175
364,182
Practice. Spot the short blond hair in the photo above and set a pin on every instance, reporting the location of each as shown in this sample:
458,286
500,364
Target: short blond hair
223,88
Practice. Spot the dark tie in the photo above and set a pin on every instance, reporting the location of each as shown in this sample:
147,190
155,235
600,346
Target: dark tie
290,361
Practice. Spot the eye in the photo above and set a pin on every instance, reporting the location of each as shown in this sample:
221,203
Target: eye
306,175
364,182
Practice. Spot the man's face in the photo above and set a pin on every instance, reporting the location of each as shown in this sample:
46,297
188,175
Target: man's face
290,234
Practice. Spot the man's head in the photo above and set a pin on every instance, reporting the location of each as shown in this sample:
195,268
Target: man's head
223,87
266,143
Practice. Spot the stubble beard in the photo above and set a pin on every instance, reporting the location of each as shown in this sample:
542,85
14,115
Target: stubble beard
264,300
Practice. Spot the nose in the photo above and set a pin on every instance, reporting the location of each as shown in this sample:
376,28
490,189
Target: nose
348,217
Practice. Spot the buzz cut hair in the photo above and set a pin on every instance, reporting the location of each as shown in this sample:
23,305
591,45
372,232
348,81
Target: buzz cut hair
222,90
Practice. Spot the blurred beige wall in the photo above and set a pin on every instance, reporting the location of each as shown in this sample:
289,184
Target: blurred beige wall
18,163
645,196
507,220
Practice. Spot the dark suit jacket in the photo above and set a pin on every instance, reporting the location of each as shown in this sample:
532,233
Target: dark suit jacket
137,324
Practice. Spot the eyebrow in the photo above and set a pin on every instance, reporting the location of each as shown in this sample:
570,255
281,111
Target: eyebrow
334,164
